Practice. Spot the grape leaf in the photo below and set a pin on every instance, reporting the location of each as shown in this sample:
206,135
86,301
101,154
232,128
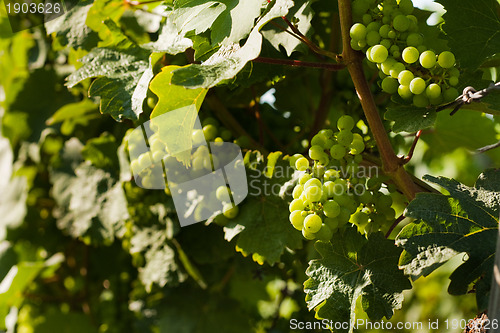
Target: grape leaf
160,267
466,220
262,224
235,22
472,25
409,118
351,267
70,29
302,12
90,202
230,58
195,15
176,130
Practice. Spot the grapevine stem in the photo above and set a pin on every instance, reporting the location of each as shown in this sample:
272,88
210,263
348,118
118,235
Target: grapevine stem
396,222
412,148
391,163
298,63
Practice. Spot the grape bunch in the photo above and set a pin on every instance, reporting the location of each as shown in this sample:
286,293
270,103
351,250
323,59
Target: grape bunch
154,165
389,35
335,189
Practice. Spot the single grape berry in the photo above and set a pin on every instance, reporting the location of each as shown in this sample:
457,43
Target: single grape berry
222,193
312,223
302,164
358,31
417,85
337,151
331,208
344,137
345,123
297,220
389,85
410,55
379,53
405,77
420,101
446,59
401,23
433,91
312,182
313,193
296,204
230,211
428,59
210,132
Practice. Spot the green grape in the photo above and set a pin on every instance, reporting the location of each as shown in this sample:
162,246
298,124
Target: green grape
318,140
450,94
401,23
427,59
374,184
313,182
360,7
211,162
144,161
308,235
312,223
372,38
313,193
417,85
345,122
210,132
368,54
414,39
379,53
405,92
410,55
297,219
390,85
387,43
302,164
151,101
327,133
221,220
325,233
357,147
210,121
357,45
225,134
446,59
384,31
373,26
198,137
420,101
329,188
337,151
433,91
383,201
304,178
344,137
328,144
387,65
405,77
406,6
358,31
332,223
366,19
453,81
366,197
331,208
230,211
344,216
396,69
222,193
297,191
296,204
315,152
453,72
346,201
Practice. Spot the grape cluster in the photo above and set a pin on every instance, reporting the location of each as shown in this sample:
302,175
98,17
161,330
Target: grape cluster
154,165
389,35
335,190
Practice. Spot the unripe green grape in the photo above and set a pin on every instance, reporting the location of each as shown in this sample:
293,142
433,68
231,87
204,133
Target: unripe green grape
405,92
332,223
446,59
210,132
328,144
372,38
396,69
337,151
344,137
211,162
392,34
313,182
325,233
450,94
225,134
401,23
294,158
384,31
315,152
329,188
144,161
373,26
343,217
453,72
379,53
358,31
387,43
297,220
357,147
331,174
222,193
347,201
359,218
386,19
433,91
221,220
327,133
198,137
304,178
312,223
331,208
366,19
209,121
302,164
368,54
313,193
417,85
296,204
420,101
428,59
318,140
406,6
405,77
345,122
390,85
453,81
383,201
230,211
365,197
308,235
387,65
374,184
410,55
356,45
360,7
297,191
387,9
414,39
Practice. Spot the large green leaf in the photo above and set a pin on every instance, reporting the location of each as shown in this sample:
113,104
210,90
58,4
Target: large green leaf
473,30
466,220
262,224
409,118
351,267
230,58
195,15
